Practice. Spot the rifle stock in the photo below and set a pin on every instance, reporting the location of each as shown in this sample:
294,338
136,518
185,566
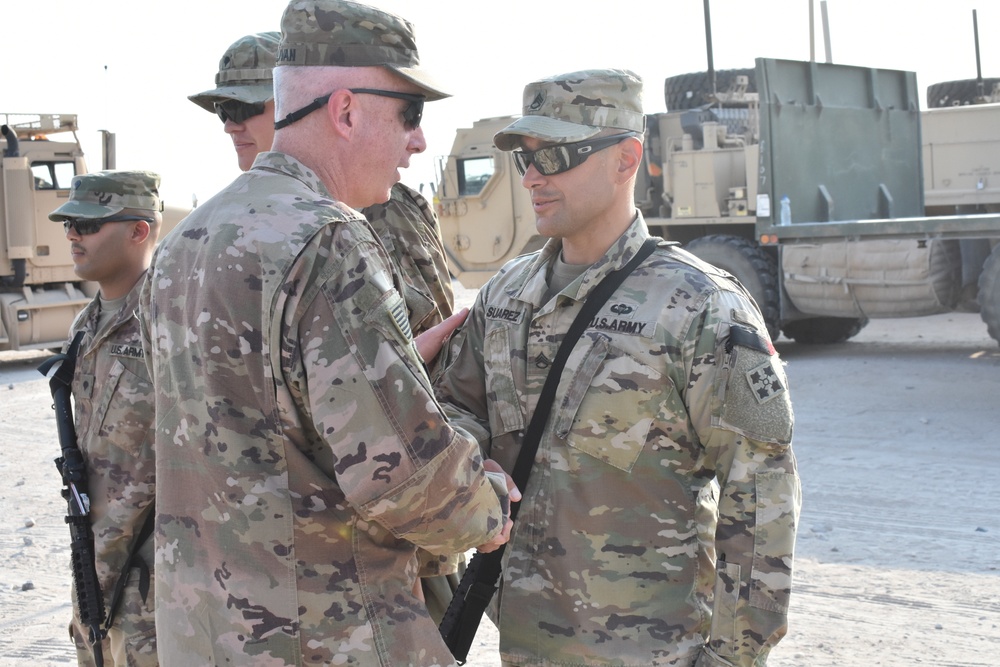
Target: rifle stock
72,469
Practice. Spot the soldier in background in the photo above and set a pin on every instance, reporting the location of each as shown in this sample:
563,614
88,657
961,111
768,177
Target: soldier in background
658,522
406,226
112,219
301,454
243,97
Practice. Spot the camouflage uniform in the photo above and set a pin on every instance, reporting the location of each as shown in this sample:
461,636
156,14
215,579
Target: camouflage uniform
408,229
658,523
113,404
301,452
113,411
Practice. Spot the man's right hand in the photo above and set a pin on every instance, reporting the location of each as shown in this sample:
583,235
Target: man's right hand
514,494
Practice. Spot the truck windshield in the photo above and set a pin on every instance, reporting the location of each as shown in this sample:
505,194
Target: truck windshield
53,175
473,174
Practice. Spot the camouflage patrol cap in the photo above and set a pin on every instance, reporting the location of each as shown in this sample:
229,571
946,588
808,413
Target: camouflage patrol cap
348,34
245,72
576,106
105,193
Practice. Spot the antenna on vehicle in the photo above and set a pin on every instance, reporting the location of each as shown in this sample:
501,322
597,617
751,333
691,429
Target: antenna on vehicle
708,46
980,86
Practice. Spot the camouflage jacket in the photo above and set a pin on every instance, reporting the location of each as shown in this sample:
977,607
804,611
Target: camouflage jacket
625,552
113,411
409,232
301,453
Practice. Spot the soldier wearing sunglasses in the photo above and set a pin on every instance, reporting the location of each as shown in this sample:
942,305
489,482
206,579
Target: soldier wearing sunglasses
111,220
302,458
659,516
406,224
243,97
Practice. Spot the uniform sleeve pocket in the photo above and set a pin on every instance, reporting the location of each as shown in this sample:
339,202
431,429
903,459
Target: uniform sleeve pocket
609,404
726,595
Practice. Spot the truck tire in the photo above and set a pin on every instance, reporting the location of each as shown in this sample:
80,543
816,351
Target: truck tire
824,330
756,270
690,91
989,294
957,93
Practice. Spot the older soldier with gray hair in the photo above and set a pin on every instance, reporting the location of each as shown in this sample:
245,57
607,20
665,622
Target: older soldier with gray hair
112,219
659,517
405,225
302,457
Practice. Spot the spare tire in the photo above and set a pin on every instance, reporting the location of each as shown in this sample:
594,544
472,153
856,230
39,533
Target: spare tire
957,93
690,91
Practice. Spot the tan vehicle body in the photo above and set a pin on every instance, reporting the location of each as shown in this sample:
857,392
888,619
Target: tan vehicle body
39,292
707,185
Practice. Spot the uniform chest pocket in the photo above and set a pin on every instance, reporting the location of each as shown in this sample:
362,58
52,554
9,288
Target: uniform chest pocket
125,411
609,403
502,397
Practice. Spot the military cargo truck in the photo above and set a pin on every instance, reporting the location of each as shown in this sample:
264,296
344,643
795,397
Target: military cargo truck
846,151
39,292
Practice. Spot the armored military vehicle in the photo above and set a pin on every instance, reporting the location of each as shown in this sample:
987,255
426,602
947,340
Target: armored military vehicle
808,181
39,292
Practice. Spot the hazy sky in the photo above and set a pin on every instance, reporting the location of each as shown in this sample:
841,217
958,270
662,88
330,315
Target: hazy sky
129,65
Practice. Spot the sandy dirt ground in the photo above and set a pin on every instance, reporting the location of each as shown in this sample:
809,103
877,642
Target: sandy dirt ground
898,556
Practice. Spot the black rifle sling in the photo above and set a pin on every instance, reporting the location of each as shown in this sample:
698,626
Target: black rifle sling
136,561
479,583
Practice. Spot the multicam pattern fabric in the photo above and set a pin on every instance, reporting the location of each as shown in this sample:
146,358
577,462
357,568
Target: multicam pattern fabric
349,34
658,524
409,232
104,193
374,37
245,72
302,455
113,410
577,106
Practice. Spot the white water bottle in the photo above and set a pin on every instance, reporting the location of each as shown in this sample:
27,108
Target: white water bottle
785,217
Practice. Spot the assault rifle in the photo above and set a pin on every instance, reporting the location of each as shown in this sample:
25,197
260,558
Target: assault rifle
90,601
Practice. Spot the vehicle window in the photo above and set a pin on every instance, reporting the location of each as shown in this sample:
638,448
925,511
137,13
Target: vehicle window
53,175
473,174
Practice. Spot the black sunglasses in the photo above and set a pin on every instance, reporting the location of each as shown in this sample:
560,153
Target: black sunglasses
86,227
237,111
412,113
553,160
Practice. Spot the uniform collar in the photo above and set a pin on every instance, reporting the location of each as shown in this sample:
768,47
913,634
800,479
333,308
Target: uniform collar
282,163
533,287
